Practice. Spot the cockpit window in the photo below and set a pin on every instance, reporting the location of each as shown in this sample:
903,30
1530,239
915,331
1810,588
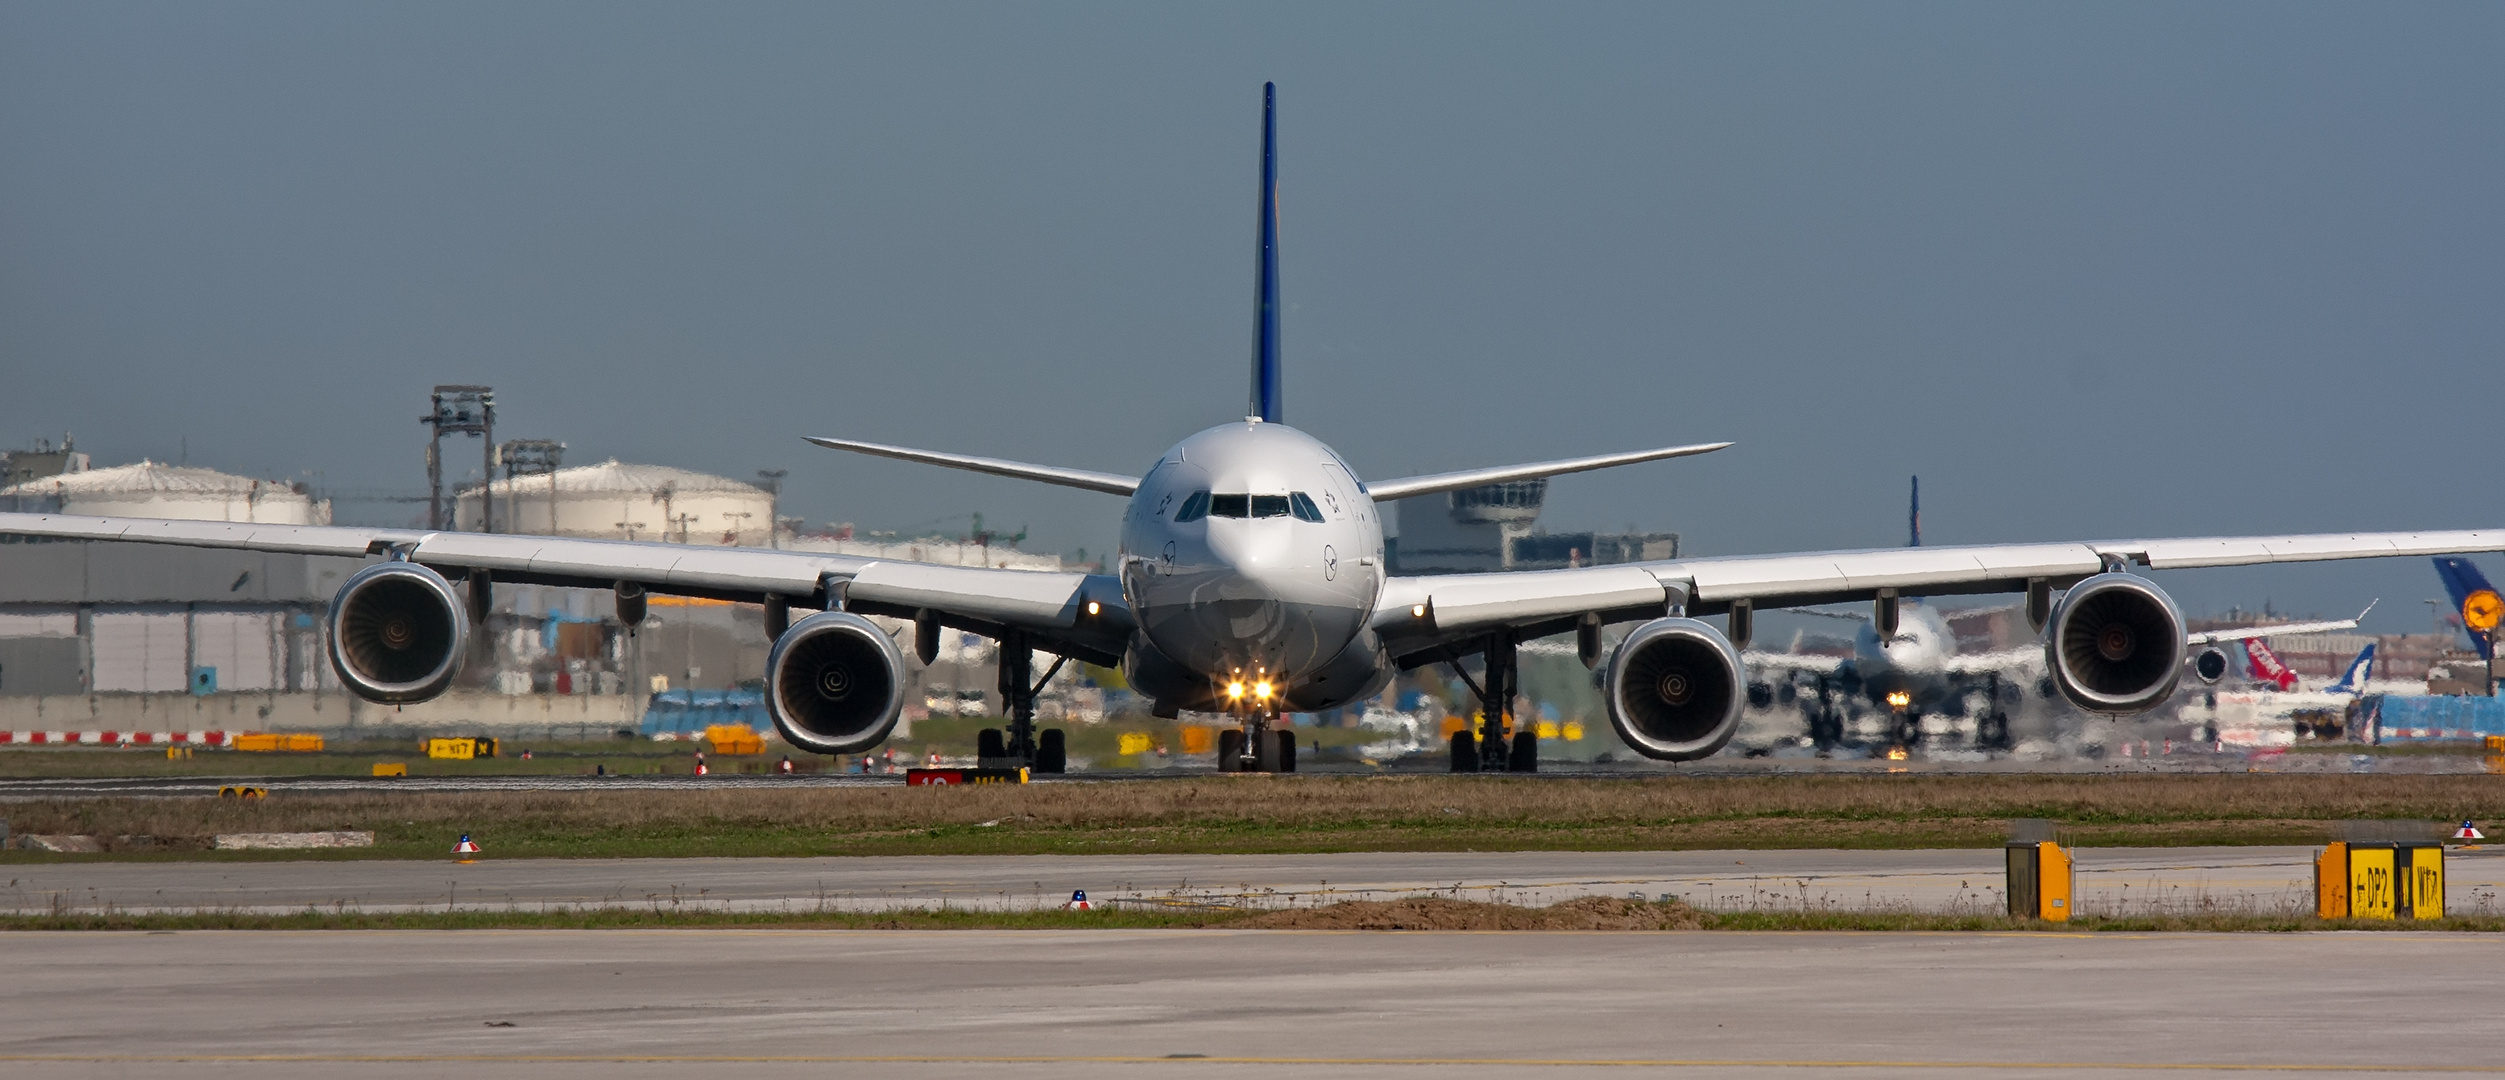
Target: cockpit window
1203,504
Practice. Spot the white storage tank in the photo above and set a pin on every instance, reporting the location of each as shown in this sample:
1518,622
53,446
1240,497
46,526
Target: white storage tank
617,501
152,490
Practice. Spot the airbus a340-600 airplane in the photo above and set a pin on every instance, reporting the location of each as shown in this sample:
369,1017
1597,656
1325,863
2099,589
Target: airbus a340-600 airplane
1252,582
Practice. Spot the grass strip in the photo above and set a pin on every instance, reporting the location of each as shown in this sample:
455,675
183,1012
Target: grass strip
1244,814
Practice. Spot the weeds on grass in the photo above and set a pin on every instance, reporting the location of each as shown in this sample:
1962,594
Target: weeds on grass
1411,914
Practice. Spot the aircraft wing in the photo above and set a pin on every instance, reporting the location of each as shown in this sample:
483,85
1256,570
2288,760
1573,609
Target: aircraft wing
1422,613
2248,633
1052,607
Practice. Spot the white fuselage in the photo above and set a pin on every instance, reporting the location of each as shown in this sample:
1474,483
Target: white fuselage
1251,553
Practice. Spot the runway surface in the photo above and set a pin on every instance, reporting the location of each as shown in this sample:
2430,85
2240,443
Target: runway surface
1098,1004
2110,880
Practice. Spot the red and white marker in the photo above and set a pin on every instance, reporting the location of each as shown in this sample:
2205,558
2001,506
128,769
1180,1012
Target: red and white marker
2468,831
465,847
1078,901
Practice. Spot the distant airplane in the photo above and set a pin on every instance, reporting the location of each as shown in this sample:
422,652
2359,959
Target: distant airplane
2270,671
1915,669
1251,583
2475,601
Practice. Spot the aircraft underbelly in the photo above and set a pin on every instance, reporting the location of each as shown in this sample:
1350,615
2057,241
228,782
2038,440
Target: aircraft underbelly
1218,624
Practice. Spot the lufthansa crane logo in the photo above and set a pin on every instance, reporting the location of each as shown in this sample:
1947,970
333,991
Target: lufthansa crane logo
2482,610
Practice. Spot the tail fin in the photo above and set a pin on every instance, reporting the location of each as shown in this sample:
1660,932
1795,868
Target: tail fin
2267,667
1913,517
2353,681
2474,600
1265,353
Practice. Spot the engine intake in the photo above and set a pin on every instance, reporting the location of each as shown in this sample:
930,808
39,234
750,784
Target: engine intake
834,683
2115,644
1675,688
396,633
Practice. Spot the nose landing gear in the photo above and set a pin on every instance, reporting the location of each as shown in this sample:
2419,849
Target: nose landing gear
1255,747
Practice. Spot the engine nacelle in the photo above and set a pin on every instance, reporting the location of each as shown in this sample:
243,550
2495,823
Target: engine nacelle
2115,644
1675,688
2210,665
834,683
397,632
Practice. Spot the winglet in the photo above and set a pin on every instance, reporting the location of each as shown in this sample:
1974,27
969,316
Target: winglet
1265,352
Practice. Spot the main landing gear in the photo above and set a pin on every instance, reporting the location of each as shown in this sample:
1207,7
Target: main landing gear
1489,750
1023,746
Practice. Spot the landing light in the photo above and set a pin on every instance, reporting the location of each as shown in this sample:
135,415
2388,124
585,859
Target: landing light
1235,690
1261,690
1094,609
1899,699
1417,611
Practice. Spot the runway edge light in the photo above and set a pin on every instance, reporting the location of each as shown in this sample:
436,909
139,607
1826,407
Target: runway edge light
2468,831
466,846
1078,901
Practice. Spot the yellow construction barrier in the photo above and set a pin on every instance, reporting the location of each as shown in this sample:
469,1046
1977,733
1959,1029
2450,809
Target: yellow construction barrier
239,791
731,739
461,749
266,743
391,768
178,753
1200,740
1136,742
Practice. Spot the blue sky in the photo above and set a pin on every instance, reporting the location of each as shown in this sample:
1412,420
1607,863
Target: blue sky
2090,270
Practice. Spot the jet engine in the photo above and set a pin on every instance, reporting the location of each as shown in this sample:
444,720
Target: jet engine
396,633
2115,644
1675,688
2211,665
834,683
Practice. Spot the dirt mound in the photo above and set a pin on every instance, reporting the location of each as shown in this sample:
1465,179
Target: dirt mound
1435,913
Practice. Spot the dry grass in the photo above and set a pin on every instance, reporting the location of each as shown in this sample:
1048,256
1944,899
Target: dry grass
1256,813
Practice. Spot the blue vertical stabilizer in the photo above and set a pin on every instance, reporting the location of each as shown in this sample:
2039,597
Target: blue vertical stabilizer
1265,354
2462,580
1913,517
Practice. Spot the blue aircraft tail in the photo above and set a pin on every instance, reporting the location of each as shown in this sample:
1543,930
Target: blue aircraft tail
1913,516
1265,353
2462,581
2353,681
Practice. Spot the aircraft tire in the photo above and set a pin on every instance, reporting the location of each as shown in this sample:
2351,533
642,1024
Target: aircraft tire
1492,754
989,743
1266,752
1287,750
1230,750
1525,757
1465,752
1051,752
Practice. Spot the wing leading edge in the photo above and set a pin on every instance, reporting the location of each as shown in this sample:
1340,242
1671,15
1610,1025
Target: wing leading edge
1418,612
1053,607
